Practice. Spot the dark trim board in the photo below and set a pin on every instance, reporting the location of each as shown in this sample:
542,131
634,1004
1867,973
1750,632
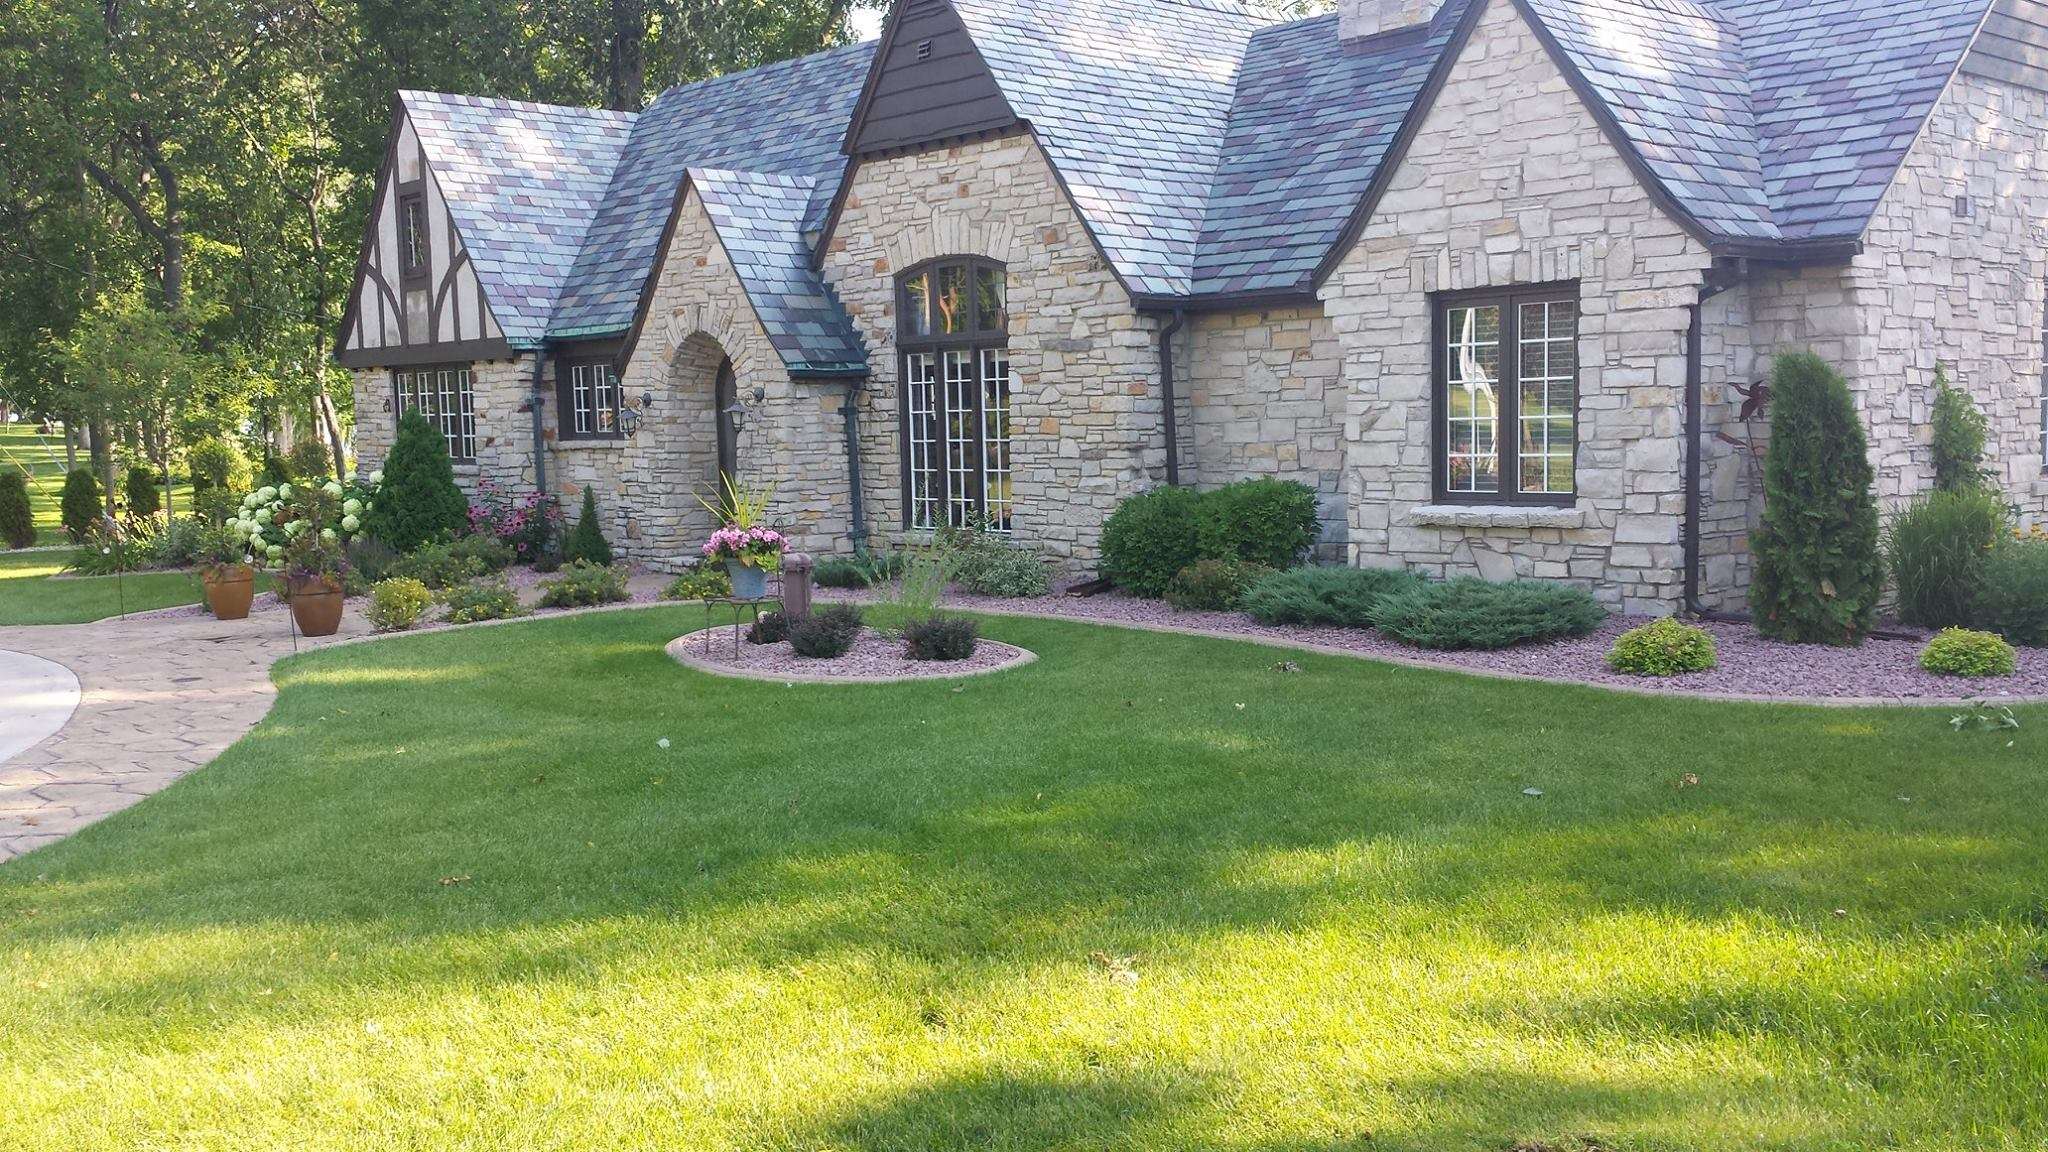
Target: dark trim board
1507,407
348,312
414,355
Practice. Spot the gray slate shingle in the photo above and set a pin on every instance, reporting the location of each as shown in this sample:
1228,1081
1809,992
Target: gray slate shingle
759,217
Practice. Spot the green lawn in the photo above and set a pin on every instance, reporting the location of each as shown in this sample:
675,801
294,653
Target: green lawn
1147,893
28,595
22,446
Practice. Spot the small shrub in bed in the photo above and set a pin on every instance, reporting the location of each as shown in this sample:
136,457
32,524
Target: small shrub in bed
940,638
584,585
1264,521
2012,599
487,599
438,566
1150,538
986,564
1213,585
1473,613
586,541
1324,597
492,553
371,558
826,632
417,500
397,604
771,628
1976,655
1663,648
1936,548
703,582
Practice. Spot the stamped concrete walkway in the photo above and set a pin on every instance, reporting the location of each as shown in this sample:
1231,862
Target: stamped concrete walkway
159,695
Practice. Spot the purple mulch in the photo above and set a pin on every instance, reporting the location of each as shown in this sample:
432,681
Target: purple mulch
873,657
1751,666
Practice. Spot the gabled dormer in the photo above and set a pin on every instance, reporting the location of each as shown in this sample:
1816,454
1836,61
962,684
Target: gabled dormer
928,83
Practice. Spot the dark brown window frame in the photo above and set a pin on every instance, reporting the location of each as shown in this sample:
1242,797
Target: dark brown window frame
411,194
566,364
464,434
1507,412
976,340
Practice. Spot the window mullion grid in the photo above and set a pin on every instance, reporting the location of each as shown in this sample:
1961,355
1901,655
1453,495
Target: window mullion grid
1507,441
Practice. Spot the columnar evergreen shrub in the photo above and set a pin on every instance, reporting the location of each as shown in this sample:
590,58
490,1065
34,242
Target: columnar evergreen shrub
1150,538
1264,521
1472,613
418,501
1959,435
2013,598
138,487
1936,548
1324,597
17,522
586,541
1960,652
1818,575
80,505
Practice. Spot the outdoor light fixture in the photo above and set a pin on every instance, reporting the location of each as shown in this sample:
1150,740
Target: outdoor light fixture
630,415
737,413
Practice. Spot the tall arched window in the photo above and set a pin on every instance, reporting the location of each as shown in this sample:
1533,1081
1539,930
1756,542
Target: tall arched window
953,333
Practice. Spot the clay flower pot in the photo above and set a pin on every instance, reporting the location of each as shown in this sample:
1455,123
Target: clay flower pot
229,589
315,603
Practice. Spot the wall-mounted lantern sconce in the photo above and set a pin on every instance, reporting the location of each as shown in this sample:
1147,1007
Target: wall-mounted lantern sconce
736,414
631,415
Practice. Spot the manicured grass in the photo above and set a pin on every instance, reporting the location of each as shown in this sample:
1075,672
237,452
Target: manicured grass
42,457
1149,892
28,595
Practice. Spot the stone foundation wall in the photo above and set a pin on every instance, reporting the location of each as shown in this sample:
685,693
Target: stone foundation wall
1511,181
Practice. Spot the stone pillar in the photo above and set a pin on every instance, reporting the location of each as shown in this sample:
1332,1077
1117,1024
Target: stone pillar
1357,19
796,584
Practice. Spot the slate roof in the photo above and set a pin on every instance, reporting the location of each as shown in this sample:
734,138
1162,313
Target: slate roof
523,183
1210,150
759,217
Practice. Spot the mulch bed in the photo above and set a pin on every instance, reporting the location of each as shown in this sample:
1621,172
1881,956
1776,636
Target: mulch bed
874,658
1751,667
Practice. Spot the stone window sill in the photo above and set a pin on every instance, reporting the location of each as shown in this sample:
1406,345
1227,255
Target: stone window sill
1494,516
593,444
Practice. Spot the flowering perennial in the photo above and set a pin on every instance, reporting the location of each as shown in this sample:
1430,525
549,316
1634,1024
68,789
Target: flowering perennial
755,547
275,514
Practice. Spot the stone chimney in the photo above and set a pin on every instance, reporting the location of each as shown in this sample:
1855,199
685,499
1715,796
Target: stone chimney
1357,19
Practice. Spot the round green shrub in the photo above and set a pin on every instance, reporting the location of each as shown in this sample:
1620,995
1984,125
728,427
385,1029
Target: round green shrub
1268,522
586,541
700,582
2012,597
768,628
1961,652
940,638
1150,538
397,604
1472,613
439,566
139,488
826,632
17,522
309,460
1324,597
992,566
1818,574
1663,648
80,504
1936,548
492,553
418,501
584,585
1213,585
487,599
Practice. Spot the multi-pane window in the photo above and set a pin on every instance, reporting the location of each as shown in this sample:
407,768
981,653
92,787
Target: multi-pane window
443,394
953,330
590,406
1507,374
414,241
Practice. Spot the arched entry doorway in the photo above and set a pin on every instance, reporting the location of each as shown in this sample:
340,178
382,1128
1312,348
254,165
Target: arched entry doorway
725,399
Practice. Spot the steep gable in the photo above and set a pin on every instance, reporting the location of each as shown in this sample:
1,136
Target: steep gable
928,83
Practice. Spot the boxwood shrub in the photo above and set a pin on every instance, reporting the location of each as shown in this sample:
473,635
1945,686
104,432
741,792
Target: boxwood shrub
1267,522
1960,652
1663,648
2012,596
1150,538
1324,597
487,599
1473,613
584,585
826,632
940,638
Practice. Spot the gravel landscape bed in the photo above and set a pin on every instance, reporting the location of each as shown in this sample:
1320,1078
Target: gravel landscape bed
875,658
1751,666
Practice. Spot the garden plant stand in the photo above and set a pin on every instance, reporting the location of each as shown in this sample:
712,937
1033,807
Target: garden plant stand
736,604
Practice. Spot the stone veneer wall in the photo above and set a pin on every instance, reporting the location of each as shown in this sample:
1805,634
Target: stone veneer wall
504,432
1086,413
1264,396
1511,181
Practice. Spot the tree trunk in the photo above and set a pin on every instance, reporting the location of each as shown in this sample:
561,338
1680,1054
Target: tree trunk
70,448
103,462
626,71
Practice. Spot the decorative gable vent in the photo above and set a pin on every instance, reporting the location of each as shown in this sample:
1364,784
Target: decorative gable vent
1357,19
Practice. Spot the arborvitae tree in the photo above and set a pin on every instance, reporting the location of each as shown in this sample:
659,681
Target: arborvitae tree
1818,573
17,524
140,489
419,502
81,504
1959,434
586,541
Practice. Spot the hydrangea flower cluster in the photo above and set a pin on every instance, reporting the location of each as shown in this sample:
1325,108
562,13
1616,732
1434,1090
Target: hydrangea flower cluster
269,518
755,547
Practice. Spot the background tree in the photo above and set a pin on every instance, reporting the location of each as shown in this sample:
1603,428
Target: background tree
80,506
17,523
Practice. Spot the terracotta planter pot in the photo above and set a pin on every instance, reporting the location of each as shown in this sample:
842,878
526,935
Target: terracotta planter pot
229,589
316,604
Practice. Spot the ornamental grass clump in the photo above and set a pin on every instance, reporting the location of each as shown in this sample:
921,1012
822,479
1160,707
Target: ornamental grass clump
1213,585
826,632
1818,574
1936,549
585,585
1473,613
940,638
1664,647
1325,597
397,604
1973,655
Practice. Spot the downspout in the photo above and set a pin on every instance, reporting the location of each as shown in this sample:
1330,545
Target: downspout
858,530
1694,404
540,455
1166,336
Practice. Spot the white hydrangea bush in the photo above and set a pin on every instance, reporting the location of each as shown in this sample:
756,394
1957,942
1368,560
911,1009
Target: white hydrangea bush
272,516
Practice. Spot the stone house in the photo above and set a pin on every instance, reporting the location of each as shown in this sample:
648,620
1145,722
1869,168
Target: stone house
1496,278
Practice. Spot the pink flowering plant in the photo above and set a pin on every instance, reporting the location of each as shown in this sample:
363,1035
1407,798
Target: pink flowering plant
756,547
529,523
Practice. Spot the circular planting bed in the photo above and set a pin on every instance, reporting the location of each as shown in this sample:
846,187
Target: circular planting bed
874,659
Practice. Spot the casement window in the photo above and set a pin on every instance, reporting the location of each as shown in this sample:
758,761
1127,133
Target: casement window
445,395
1506,396
953,335
589,399
415,240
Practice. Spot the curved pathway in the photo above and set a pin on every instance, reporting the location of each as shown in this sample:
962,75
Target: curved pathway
36,697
